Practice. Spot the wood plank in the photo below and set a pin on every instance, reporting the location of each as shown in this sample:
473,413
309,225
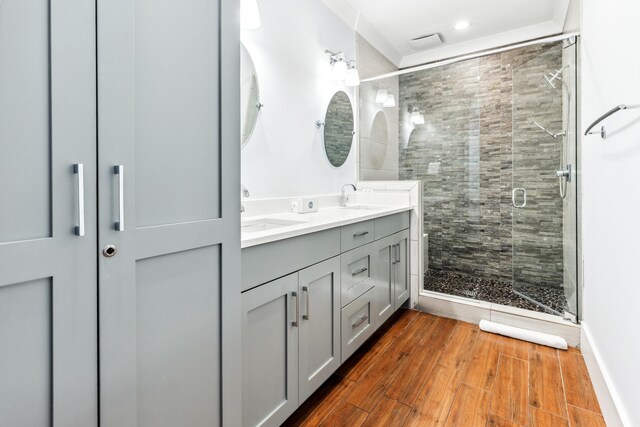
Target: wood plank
511,390
321,403
359,363
540,418
545,384
498,421
459,349
470,407
407,384
577,383
483,366
582,418
435,399
379,376
345,415
387,413
515,348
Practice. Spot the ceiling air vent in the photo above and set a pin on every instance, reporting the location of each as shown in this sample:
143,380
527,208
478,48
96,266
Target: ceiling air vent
426,42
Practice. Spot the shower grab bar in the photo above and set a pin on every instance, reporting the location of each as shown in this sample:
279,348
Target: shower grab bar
513,197
610,113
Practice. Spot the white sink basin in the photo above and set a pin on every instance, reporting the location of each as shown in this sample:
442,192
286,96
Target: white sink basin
362,207
264,224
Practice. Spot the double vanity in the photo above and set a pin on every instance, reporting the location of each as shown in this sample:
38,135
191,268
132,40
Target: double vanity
314,287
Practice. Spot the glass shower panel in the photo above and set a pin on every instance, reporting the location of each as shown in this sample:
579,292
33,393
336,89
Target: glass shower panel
543,198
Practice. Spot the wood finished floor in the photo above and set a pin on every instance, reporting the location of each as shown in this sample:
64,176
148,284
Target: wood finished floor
424,370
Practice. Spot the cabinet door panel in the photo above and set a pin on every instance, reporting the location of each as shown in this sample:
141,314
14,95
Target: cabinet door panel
383,279
168,91
48,307
401,268
320,324
270,352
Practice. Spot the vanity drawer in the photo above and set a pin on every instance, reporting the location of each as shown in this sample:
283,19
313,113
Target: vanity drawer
356,273
357,323
358,234
388,225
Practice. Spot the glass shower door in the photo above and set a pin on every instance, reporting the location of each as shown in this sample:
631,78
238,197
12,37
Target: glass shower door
543,197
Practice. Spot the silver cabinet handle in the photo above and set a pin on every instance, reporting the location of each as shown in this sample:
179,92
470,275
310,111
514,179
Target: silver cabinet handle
78,169
297,321
394,256
119,170
362,270
360,321
307,316
398,253
513,197
360,233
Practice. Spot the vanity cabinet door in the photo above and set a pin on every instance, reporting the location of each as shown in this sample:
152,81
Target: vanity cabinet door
270,319
319,287
400,267
383,276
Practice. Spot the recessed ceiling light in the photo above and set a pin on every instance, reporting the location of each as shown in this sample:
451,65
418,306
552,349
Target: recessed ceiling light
462,25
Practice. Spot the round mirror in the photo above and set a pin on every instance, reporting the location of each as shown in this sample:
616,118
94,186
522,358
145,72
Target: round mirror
249,96
379,140
338,129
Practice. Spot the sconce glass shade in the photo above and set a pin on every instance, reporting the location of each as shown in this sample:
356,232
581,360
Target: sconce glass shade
340,71
417,118
390,101
249,14
353,78
381,96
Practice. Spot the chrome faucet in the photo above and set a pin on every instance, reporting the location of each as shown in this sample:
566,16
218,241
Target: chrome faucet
344,198
245,193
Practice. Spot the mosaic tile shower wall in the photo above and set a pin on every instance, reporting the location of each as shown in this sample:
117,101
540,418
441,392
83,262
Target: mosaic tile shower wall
477,143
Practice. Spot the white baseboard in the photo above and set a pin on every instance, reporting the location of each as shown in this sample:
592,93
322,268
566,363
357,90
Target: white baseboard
610,404
469,310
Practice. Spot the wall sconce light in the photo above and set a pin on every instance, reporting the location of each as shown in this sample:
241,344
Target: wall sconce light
381,96
249,14
353,78
342,70
390,101
416,116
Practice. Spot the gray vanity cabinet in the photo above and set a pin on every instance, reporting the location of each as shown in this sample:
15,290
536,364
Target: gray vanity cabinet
270,328
383,277
391,275
319,342
291,341
400,268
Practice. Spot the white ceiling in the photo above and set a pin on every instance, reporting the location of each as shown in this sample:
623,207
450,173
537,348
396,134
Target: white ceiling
390,24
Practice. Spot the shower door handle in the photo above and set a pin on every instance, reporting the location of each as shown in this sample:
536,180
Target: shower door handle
524,196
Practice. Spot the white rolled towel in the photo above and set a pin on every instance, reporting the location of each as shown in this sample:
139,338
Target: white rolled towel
524,334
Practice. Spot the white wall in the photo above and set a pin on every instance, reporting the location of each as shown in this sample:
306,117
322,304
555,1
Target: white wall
285,156
611,197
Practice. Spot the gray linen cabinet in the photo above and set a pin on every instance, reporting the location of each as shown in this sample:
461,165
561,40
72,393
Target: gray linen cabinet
119,219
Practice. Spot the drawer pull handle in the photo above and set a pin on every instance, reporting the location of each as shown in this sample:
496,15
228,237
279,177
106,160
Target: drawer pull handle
362,270
360,233
307,316
296,322
360,321
78,169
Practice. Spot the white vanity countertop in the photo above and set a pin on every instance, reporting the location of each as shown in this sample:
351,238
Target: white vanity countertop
324,219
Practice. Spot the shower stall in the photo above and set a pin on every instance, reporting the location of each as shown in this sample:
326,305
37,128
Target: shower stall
493,140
